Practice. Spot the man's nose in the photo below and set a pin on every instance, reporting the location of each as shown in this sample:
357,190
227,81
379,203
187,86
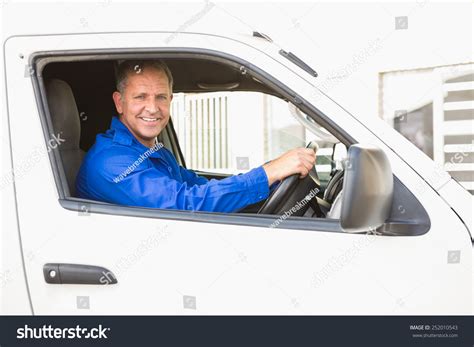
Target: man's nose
151,107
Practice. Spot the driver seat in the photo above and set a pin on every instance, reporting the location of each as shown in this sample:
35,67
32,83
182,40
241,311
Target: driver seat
67,123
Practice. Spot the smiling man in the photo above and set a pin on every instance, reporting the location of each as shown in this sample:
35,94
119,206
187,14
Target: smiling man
128,166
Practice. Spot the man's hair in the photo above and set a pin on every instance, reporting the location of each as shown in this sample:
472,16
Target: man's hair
138,66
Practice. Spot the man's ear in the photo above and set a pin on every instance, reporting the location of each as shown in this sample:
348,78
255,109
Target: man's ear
118,101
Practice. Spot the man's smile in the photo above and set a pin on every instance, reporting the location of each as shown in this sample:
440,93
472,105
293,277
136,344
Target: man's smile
151,120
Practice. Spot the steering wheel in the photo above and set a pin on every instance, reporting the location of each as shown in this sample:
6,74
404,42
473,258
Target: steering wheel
292,191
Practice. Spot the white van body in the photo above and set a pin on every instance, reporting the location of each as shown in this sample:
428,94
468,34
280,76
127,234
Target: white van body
185,266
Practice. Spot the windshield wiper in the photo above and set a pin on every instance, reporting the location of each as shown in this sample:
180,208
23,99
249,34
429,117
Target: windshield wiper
297,61
288,55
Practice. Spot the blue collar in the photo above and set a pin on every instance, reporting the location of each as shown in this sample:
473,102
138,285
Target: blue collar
123,136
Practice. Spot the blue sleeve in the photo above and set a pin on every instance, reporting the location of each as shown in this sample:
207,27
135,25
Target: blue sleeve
147,186
274,185
191,177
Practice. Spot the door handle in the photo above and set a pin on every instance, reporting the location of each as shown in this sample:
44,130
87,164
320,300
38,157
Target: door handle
57,273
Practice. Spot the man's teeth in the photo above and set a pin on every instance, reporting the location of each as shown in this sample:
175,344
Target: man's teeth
149,119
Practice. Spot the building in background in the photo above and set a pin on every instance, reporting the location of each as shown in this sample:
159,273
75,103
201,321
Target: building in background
434,109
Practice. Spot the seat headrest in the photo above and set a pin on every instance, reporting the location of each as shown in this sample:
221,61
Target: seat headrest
64,113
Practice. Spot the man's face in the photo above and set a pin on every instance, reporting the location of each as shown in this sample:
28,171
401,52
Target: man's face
144,105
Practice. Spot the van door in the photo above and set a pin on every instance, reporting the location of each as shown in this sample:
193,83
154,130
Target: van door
171,262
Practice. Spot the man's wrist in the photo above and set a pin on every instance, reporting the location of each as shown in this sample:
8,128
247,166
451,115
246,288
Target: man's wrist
267,167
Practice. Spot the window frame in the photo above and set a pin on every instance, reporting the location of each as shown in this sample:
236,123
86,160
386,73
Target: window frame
39,60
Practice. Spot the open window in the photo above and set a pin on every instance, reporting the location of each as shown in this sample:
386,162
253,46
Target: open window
224,121
226,118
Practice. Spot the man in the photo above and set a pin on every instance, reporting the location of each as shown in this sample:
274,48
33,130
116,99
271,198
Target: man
127,166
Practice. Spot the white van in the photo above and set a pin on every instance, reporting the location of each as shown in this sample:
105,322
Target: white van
385,232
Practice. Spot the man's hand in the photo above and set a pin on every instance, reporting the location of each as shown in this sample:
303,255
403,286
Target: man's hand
297,161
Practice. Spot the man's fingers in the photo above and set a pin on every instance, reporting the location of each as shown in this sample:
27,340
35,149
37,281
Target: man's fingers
305,161
297,161
309,160
304,173
304,167
309,154
308,163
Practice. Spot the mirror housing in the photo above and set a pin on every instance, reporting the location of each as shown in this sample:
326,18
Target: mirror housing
367,193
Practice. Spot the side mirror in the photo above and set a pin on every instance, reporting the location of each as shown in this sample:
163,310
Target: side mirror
368,189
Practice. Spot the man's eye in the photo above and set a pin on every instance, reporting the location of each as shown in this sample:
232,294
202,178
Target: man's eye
162,97
140,97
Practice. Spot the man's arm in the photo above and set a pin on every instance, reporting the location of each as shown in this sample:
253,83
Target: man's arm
149,187
191,177
297,161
